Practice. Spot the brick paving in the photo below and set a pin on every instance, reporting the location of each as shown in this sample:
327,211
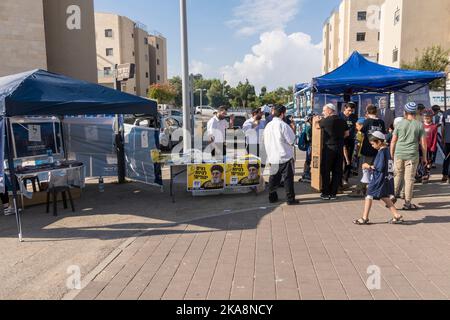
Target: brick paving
311,251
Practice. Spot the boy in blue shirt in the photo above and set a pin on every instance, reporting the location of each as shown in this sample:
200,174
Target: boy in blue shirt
381,186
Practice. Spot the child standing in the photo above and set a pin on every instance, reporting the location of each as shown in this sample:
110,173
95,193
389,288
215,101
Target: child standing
431,131
381,186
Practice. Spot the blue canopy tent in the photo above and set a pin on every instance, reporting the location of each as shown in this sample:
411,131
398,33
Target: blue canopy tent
42,93
359,75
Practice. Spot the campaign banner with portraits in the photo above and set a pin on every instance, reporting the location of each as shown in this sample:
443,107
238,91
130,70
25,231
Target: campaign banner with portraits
243,173
206,177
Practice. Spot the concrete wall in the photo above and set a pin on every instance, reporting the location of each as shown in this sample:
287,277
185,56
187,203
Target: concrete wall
22,36
326,48
422,25
70,52
160,51
142,62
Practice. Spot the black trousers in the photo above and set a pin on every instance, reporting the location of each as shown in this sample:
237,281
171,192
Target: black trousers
446,169
331,169
285,171
5,198
348,169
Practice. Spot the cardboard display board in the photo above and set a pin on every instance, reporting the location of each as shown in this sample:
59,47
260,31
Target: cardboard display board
316,179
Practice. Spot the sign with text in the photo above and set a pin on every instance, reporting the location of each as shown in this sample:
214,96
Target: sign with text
204,177
243,173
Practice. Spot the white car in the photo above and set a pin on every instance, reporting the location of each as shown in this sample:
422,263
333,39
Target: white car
175,114
205,111
168,126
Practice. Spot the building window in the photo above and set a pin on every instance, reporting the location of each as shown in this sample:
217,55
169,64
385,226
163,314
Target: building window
134,89
379,36
146,57
108,33
397,17
395,55
361,36
157,62
107,71
145,41
133,53
157,46
146,75
109,52
159,77
362,15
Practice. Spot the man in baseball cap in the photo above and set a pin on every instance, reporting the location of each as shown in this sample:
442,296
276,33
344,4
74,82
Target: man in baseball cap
407,137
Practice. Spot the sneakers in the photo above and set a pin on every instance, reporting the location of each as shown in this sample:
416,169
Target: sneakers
273,198
325,197
445,179
9,211
332,198
293,203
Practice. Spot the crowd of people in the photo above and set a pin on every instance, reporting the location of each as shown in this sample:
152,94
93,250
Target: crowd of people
387,154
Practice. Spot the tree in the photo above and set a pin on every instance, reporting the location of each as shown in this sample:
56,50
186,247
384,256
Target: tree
243,94
218,94
434,58
177,84
163,93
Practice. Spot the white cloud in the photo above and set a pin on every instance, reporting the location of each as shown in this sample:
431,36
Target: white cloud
278,60
198,67
256,16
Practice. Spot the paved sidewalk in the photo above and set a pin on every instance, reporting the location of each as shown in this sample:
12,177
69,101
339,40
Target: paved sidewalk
312,251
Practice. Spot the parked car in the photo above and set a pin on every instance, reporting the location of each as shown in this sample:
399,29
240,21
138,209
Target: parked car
173,113
239,120
168,127
205,111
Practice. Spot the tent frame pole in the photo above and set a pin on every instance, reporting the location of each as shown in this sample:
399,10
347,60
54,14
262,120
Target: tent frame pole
445,93
12,177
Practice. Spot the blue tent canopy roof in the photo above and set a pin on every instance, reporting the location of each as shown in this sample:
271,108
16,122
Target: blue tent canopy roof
41,93
359,75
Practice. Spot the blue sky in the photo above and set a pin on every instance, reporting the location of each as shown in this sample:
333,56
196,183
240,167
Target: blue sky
222,33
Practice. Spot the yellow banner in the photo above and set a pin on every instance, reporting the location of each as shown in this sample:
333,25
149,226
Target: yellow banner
245,173
203,177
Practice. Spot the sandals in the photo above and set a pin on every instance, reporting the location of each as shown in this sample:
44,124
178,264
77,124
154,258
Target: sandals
398,220
361,222
410,207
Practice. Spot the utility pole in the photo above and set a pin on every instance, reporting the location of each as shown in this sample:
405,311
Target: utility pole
185,77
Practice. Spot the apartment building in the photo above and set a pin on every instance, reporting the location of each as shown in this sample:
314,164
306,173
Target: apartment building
354,26
121,40
55,35
158,58
410,26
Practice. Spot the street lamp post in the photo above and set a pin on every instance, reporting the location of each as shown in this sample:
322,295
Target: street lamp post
201,98
185,77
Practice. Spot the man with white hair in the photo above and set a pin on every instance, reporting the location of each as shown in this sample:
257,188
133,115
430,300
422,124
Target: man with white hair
335,130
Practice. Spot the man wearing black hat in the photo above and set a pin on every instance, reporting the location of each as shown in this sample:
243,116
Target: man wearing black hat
279,140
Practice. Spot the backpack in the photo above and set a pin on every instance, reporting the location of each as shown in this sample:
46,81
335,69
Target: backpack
303,143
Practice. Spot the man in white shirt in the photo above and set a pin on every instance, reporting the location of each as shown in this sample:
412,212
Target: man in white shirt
279,140
216,129
252,128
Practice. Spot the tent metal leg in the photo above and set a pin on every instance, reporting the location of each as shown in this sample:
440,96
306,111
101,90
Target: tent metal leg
12,173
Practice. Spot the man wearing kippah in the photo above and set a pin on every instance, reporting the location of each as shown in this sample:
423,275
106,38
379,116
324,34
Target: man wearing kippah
407,136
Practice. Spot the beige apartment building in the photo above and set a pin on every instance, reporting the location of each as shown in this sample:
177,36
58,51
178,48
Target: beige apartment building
158,58
410,26
55,35
354,26
121,40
